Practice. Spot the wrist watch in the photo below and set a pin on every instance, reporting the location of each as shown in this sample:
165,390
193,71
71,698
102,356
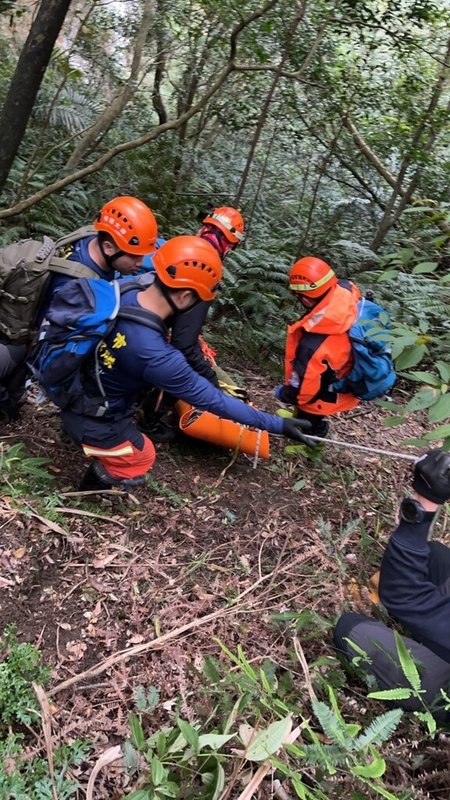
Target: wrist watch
412,511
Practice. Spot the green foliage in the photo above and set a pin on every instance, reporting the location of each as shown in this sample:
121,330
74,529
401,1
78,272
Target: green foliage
182,762
175,500
253,714
27,776
414,689
20,666
25,472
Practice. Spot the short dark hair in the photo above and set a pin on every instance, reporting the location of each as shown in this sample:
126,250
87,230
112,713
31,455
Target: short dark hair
103,237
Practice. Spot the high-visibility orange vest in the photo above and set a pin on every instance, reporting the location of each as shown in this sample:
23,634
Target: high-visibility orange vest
330,319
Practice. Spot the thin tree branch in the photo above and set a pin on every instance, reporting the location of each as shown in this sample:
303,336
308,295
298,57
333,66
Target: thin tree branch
173,124
115,108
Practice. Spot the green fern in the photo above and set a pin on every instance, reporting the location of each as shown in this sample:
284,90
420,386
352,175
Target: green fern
379,730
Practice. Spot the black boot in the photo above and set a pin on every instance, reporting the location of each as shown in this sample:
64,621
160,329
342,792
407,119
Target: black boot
91,481
97,478
321,429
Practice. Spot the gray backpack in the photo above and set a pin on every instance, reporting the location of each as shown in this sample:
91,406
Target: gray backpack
26,268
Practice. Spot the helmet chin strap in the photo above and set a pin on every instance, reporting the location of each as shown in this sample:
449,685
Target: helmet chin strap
165,291
110,259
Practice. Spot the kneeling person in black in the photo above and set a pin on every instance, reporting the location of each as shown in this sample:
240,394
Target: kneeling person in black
415,589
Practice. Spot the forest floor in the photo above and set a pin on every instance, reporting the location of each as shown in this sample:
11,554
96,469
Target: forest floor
86,577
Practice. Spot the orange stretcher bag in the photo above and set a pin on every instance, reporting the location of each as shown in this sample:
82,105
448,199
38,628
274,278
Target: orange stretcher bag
222,432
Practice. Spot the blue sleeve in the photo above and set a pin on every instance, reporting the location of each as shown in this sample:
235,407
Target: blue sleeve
408,593
168,369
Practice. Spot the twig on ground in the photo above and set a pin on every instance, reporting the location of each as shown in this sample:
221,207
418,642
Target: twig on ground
82,513
108,757
301,657
155,644
47,730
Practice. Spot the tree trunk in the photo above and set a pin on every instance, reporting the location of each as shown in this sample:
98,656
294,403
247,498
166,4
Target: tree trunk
265,109
27,80
406,194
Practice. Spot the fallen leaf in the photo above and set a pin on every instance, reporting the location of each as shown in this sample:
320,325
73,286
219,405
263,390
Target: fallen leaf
136,639
20,552
76,650
101,561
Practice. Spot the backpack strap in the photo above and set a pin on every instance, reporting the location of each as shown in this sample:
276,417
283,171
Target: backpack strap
143,317
73,268
80,233
63,266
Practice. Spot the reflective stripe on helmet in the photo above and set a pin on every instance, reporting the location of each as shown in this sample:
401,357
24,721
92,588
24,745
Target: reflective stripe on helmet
226,223
308,287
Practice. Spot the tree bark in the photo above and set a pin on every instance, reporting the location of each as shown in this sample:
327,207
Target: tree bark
27,80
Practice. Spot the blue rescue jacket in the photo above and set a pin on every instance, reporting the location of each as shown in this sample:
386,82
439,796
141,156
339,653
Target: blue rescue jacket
133,358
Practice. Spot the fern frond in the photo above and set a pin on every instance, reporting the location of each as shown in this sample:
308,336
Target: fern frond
379,730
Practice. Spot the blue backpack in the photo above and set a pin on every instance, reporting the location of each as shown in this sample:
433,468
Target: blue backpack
79,317
373,371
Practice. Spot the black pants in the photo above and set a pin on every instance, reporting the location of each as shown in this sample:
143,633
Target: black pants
319,425
378,642
13,371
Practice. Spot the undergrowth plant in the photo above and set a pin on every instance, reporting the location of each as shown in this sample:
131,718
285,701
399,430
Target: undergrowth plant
414,282
25,772
20,473
255,716
414,690
20,665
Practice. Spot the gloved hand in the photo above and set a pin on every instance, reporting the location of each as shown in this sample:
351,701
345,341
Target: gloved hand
234,391
432,476
294,429
277,391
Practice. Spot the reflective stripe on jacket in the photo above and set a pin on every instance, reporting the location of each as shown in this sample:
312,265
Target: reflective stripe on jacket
318,352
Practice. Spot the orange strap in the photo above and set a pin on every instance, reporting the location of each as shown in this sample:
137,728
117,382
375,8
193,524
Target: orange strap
207,351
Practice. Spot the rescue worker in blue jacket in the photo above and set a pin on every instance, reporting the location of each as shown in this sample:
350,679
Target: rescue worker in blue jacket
124,231
415,589
224,229
133,358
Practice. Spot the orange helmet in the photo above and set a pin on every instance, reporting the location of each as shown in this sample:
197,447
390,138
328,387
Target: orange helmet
311,276
130,223
229,220
189,262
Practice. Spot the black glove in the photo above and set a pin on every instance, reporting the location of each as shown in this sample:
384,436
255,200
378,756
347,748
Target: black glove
432,476
294,429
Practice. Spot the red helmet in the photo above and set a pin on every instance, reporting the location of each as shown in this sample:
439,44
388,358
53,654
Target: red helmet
130,223
229,220
311,276
189,262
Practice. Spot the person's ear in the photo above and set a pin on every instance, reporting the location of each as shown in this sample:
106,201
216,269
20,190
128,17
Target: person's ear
187,297
109,247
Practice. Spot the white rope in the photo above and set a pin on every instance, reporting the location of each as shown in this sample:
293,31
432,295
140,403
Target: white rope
391,453
258,445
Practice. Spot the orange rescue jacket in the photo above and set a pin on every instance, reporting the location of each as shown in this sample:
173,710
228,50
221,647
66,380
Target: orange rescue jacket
318,352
